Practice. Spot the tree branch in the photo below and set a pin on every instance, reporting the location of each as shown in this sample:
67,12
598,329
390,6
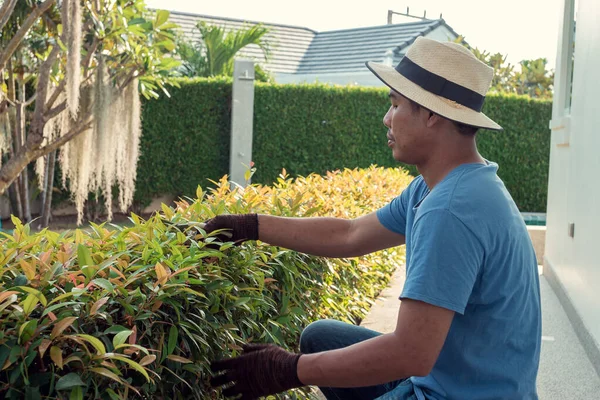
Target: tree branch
31,100
55,111
27,24
57,92
84,124
31,151
6,11
42,90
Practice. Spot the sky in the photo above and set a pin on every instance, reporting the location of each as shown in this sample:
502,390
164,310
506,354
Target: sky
521,29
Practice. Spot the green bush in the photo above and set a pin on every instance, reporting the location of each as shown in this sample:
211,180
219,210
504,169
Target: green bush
140,311
317,128
185,139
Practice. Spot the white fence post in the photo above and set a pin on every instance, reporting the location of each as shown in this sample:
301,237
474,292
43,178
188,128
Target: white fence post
242,118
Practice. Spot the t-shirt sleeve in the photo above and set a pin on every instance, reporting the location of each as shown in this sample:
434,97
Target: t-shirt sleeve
445,261
393,214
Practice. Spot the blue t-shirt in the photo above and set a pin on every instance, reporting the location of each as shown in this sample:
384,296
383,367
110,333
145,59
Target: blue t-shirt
468,250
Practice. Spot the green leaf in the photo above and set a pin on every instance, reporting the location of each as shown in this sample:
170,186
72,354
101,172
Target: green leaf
162,16
169,45
241,301
112,393
68,381
29,304
173,335
115,329
57,306
136,21
26,331
64,296
76,393
83,256
121,337
5,352
105,284
88,271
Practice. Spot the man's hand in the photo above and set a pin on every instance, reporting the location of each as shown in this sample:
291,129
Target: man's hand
261,370
237,228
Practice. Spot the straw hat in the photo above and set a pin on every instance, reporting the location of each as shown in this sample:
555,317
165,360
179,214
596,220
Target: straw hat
445,78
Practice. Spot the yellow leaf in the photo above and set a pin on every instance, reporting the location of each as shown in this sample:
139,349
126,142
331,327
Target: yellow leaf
147,360
106,373
179,359
7,364
35,292
78,236
72,358
62,297
111,375
161,274
94,342
61,326
56,356
167,211
28,269
156,305
133,364
97,305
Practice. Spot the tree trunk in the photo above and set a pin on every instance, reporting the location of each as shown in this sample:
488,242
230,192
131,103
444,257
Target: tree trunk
44,185
18,206
47,210
20,141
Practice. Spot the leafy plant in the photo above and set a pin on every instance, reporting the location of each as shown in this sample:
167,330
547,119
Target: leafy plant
214,53
140,311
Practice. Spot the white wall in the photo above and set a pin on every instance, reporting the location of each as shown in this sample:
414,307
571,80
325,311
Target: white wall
574,186
343,78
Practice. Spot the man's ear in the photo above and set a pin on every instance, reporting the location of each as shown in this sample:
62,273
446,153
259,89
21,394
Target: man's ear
433,119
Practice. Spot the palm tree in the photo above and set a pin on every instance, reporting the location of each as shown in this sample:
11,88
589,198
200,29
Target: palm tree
214,53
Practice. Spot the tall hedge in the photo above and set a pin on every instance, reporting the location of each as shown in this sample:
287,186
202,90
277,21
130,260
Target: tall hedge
316,128
185,139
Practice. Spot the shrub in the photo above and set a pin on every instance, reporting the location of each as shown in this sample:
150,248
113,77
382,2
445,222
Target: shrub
314,129
141,310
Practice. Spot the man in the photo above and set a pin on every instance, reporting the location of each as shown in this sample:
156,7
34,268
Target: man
469,324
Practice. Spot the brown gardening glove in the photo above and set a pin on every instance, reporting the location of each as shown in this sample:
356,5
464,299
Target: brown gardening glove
261,370
237,228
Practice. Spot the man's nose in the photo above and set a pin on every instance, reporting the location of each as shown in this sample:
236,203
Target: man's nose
387,119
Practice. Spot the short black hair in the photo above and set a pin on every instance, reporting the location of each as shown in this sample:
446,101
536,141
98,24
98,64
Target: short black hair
463,129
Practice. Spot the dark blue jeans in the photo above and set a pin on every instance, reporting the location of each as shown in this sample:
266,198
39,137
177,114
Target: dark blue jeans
330,335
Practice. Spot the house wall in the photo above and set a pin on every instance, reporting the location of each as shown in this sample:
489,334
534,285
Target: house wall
358,78
574,183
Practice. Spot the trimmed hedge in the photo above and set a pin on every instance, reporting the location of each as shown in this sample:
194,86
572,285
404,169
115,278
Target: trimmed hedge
185,139
112,312
317,128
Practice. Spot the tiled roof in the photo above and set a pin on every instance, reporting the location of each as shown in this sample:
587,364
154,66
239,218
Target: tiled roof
304,51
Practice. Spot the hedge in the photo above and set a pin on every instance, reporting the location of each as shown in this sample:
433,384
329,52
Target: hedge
111,312
318,128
